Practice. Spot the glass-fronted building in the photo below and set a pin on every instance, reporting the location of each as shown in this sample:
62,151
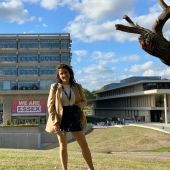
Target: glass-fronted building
141,99
27,68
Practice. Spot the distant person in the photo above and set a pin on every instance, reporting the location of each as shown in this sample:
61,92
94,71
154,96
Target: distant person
65,102
161,119
123,121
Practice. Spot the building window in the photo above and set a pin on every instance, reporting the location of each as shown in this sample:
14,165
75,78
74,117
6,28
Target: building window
8,44
45,84
8,85
49,44
65,44
14,85
28,85
159,100
164,85
65,57
47,71
150,86
1,85
28,58
8,58
49,57
27,71
28,44
8,71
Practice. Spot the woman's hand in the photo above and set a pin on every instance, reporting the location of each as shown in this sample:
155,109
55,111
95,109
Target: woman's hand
56,127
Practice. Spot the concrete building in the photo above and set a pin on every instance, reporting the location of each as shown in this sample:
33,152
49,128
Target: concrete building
27,68
145,99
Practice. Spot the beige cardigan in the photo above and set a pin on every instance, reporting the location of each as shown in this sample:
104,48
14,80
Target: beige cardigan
55,108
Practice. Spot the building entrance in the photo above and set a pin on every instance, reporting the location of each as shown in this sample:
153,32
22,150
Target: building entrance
155,115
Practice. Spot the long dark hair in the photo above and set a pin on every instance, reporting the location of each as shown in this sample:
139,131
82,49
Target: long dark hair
70,70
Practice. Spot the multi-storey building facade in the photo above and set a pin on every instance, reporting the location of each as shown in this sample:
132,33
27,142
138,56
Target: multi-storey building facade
27,68
139,98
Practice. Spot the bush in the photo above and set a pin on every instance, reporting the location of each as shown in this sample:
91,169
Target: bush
20,125
91,119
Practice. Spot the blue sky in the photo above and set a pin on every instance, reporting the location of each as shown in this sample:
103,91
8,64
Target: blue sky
100,54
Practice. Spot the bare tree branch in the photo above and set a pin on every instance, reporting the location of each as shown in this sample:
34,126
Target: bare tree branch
128,20
163,17
153,42
163,4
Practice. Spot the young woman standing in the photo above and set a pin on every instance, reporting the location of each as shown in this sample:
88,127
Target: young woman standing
65,102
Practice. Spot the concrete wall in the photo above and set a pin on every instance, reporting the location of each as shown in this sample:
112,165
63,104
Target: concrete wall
20,137
29,137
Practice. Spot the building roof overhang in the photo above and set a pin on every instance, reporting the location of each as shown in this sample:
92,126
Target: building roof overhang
141,93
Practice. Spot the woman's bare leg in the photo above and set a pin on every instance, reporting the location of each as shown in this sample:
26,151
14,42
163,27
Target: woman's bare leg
80,137
62,139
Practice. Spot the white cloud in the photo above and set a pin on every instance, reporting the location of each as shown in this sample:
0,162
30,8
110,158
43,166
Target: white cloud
95,68
89,31
50,4
44,25
132,58
103,70
88,26
167,1
106,58
80,53
39,19
149,72
95,76
14,11
150,69
142,68
99,55
97,10
31,1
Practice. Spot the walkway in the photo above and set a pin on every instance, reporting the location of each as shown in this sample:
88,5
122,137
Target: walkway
156,126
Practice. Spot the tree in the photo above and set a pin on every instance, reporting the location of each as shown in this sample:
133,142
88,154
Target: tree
88,94
152,41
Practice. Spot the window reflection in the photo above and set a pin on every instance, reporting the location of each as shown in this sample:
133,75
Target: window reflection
8,44
27,58
28,44
65,57
156,85
49,44
8,85
8,58
65,44
28,85
8,71
48,57
45,84
27,71
47,71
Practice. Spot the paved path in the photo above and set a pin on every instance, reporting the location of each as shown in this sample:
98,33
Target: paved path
155,126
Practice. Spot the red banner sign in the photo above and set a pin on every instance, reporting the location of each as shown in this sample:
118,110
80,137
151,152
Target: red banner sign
29,106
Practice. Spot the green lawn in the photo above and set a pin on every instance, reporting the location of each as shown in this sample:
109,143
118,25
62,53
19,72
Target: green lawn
127,148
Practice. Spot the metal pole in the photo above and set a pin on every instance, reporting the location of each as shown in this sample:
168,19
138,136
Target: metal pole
165,109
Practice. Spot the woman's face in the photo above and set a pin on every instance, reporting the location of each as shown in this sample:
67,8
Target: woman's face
64,75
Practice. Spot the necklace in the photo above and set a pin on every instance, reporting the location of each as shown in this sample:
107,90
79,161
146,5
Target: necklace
67,95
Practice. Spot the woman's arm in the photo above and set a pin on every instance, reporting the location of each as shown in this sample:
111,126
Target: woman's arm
83,101
51,103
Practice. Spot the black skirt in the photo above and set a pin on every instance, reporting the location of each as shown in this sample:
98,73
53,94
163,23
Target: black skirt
71,119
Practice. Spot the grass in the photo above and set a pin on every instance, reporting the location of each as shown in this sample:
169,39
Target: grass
163,149
127,148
